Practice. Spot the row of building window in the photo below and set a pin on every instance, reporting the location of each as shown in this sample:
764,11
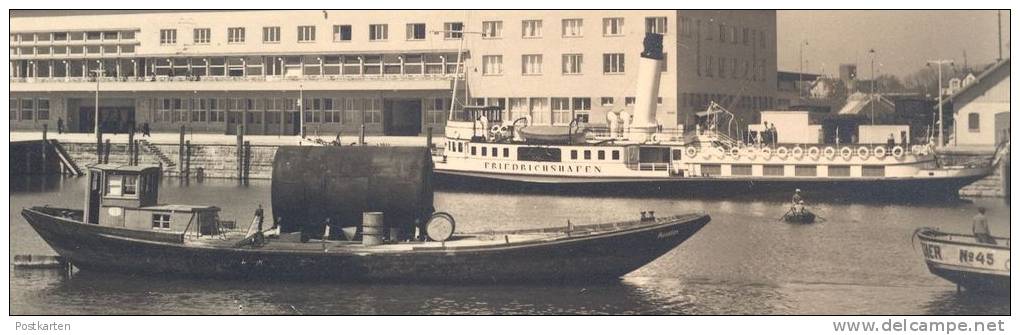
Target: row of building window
723,33
65,50
73,36
700,101
732,68
27,109
416,31
317,110
612,63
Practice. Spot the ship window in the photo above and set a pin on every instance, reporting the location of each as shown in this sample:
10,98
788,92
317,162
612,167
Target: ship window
772,170
711,170
495,152
602,155
740,170
130,185
806,170
485,151
473,151
873,171
506,152
616,155
114,186
160,221
839,171
587,154
539,154
573,154
460,147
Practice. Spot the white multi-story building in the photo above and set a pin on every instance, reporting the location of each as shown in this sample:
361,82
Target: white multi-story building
391,71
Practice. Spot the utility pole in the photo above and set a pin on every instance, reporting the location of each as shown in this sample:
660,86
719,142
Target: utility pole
460,60
1000,35
942,127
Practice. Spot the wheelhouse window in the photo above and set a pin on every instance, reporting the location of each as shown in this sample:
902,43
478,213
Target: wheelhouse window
161,221
130,185
537,154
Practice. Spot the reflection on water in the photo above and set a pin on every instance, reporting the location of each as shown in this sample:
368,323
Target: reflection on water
858,261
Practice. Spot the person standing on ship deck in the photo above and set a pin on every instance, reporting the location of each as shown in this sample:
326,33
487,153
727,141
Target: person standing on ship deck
980,228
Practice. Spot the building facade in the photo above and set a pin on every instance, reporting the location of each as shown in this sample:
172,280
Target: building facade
391,72
981,109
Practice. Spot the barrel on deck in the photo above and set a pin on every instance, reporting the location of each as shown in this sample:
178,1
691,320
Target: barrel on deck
372,228
311,184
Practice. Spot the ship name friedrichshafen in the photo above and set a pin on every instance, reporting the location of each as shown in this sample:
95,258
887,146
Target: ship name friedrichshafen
542,167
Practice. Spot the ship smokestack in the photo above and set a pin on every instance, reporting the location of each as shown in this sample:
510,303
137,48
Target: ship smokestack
647,95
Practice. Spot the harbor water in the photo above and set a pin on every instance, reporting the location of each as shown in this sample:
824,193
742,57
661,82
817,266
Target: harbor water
858,260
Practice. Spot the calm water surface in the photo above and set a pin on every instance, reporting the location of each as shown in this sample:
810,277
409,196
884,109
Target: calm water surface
859,261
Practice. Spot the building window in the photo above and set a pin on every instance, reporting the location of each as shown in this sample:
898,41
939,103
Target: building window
453,30
202,35
582,106
606,101
572,63
531,64
531,29
373,111
686,28
306,34
161,221
540,110
612,63
974,122
435,110
341,33
722,33
415,31
378,32
167,36
42,109
492,65
612,26
492,29
350,111
561,110
655,25
235,35
629,101
14,109
27,109
572,27
270,34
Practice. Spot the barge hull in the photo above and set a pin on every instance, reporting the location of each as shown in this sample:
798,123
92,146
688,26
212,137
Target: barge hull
599,257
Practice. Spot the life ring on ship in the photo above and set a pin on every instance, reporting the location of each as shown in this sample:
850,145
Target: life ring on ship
720,152
829,152
915,149
797,152
846,153
781,152
897,151
863,152
766,152
750,152
814,152
692,152
879,152
734,152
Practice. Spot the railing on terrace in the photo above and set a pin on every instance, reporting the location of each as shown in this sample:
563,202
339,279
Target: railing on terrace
241,79
649,166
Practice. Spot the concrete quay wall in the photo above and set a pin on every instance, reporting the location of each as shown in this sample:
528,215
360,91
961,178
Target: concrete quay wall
214,160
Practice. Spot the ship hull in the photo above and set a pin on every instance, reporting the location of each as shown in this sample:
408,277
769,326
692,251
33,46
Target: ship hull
597,257
914,188
965,261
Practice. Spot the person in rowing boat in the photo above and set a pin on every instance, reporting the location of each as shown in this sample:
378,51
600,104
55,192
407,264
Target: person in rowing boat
796,197
980,228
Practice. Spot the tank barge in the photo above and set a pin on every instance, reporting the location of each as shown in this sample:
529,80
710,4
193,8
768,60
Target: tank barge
124,229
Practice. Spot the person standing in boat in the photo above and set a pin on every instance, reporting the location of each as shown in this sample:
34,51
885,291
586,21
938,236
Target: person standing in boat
980,228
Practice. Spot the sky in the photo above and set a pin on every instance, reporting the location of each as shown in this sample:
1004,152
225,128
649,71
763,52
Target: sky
903,40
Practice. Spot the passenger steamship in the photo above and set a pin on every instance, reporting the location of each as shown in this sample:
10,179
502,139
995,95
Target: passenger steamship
481,148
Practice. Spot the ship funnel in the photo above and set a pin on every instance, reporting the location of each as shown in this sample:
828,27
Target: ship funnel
647,95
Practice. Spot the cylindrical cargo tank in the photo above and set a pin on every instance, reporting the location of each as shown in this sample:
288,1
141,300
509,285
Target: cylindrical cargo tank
313,184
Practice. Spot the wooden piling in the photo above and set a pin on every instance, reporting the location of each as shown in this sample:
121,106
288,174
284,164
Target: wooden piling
187,160
106,152
99,147
180,153
238,156
43,146
247,161
361,138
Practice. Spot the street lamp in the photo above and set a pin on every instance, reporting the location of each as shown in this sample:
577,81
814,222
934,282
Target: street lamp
939,63
98,73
